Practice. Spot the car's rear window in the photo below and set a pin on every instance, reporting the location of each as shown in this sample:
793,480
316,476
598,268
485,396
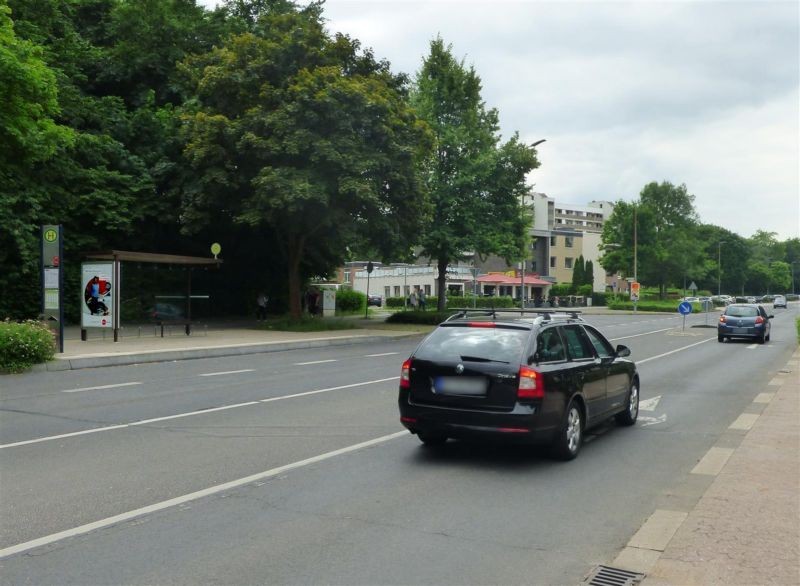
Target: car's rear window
742,311
455,343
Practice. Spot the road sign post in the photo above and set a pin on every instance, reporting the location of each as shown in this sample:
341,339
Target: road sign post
370,268
684,308
52,253
635,287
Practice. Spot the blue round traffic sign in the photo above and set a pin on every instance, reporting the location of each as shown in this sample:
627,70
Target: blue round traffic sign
685,308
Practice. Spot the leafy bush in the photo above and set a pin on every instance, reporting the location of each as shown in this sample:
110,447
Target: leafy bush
419,317
561,289
24,344
458,301
585,290
598,299
306,323
348,300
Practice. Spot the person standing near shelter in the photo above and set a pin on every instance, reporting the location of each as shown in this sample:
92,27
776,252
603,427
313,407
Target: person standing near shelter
414,300
422,300
262,300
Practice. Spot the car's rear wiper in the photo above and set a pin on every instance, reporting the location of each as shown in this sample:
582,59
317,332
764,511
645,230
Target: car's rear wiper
482,359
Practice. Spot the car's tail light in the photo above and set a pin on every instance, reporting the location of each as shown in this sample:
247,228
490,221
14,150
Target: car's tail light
531,384
405,375
759,320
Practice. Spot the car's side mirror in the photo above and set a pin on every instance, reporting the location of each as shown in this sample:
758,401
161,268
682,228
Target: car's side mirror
623,351
770,316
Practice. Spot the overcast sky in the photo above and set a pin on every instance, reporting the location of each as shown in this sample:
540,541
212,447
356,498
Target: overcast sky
701,93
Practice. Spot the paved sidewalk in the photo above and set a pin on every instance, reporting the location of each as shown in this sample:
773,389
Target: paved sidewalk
137,345
746,527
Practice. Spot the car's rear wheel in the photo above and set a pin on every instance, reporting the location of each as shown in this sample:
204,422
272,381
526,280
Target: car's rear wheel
628,417
720,338
431,439
568,440
762,338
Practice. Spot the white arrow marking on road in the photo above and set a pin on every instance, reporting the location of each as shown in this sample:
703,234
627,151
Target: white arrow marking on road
652,420
649,404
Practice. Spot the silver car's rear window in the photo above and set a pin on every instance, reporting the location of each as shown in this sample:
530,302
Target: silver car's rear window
455,343
741,311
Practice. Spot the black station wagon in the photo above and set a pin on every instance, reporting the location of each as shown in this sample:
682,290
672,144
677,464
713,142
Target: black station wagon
544,379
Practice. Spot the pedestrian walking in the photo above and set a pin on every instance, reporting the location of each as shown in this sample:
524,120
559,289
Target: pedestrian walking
422,300
414,300
261,301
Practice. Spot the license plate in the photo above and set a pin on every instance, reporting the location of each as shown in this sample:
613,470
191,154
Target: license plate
458,385
740,330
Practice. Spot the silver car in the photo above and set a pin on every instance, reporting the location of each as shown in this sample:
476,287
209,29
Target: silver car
779,301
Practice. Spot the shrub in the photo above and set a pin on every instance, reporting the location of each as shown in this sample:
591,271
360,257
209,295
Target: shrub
599,299
665,306
24,344
457,301
348,300
585,290
561,289
419,317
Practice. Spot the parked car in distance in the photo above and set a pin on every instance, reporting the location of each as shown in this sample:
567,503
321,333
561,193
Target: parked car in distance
691,299
375,300
166,312
779,301
744,320
543,379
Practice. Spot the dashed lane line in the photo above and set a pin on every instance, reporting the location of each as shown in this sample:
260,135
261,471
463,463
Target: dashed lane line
314,362
101,387
228,372
191,413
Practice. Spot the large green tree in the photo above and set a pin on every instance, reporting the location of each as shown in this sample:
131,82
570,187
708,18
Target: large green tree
476,182
304,136
653,238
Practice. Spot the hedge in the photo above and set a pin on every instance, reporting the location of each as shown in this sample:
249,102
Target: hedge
24,344
665,306
457,301
349,300
419,317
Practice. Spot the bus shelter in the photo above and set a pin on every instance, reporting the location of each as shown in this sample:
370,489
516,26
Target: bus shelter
100,280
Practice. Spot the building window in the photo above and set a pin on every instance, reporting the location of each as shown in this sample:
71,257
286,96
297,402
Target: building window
346,275
567,263
533,265
568,241
387,291
397,290
552,262
552,241
427,289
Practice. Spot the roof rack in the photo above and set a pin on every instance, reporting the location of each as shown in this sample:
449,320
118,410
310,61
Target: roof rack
545,314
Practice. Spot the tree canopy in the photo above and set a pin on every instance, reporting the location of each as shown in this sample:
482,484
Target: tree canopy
475,182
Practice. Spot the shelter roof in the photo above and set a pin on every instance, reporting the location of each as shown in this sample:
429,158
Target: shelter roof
152,257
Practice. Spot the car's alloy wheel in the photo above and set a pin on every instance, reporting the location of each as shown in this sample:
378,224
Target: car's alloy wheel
720,338
569,438
631,413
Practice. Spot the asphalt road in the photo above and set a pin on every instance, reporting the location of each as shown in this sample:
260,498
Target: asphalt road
292,468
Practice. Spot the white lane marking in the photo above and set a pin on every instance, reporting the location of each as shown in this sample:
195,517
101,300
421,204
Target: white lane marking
62,436
673,351
744,422
190,414
752,346
101,387
384,354
192,496
307,393
643,334
713,462
646,421
313,362
764,398
228,372
649,404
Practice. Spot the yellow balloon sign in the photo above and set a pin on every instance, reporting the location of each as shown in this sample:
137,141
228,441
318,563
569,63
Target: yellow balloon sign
216,249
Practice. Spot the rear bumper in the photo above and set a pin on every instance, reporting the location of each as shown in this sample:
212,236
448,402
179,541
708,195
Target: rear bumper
525,424
733,332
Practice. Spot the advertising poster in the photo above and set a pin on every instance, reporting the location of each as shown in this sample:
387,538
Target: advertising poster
97,306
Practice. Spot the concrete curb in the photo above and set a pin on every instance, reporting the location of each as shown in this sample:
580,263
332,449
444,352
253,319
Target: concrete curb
61,364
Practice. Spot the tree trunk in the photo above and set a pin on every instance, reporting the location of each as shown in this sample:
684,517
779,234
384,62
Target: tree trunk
441,281
295,253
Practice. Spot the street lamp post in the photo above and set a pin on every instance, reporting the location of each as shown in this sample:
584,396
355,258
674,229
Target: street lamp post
522,264
719,267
